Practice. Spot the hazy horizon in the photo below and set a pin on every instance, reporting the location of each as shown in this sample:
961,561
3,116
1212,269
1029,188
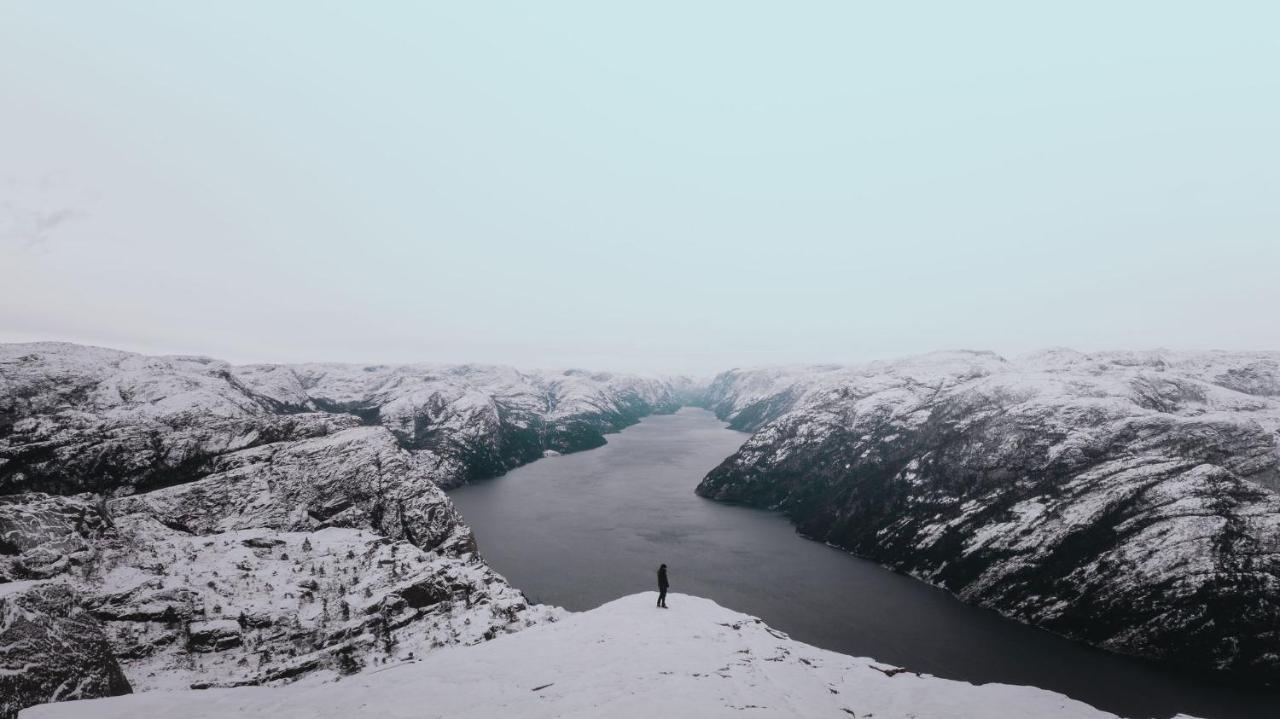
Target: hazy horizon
665,372
664,188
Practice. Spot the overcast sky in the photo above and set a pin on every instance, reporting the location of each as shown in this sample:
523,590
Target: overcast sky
666,187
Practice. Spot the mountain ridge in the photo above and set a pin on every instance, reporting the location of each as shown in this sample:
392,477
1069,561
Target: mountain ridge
1126,499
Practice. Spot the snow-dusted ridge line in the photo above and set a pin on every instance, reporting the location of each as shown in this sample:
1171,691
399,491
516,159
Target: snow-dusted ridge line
1126,499
626,660
460,422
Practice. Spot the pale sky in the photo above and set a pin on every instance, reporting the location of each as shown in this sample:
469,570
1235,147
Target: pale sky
645,186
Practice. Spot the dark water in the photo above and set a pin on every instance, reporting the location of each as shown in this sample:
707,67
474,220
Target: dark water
587,528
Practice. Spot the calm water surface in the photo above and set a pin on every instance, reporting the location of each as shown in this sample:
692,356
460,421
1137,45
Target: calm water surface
587,528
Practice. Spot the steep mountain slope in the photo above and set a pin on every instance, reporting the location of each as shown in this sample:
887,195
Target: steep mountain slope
255,606
624,660
226,525
1124,499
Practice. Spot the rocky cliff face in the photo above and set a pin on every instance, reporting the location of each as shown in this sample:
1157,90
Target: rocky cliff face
1128,500
217,525
51,649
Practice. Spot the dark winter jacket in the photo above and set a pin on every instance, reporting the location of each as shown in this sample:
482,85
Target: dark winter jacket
662,578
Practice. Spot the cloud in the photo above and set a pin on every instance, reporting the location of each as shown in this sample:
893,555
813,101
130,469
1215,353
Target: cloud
34,228
32,214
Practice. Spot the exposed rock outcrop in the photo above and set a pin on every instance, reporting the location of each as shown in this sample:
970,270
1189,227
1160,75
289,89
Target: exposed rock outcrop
51,649
42,536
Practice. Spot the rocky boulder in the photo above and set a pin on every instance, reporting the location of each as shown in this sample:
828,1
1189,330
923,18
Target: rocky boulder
51,649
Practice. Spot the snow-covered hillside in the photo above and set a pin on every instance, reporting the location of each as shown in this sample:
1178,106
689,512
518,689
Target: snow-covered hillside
624,660
1125,499
76,418
219,525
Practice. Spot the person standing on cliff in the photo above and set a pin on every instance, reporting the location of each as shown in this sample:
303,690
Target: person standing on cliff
662,586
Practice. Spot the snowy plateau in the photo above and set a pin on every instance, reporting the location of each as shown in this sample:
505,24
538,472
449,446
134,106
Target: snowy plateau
624,660
273,540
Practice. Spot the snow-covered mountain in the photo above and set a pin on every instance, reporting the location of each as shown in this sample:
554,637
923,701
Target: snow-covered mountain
625,660
219,525
77,418
1125,499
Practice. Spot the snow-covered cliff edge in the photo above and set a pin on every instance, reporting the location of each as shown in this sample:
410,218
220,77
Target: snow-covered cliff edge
1124,499
624,660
